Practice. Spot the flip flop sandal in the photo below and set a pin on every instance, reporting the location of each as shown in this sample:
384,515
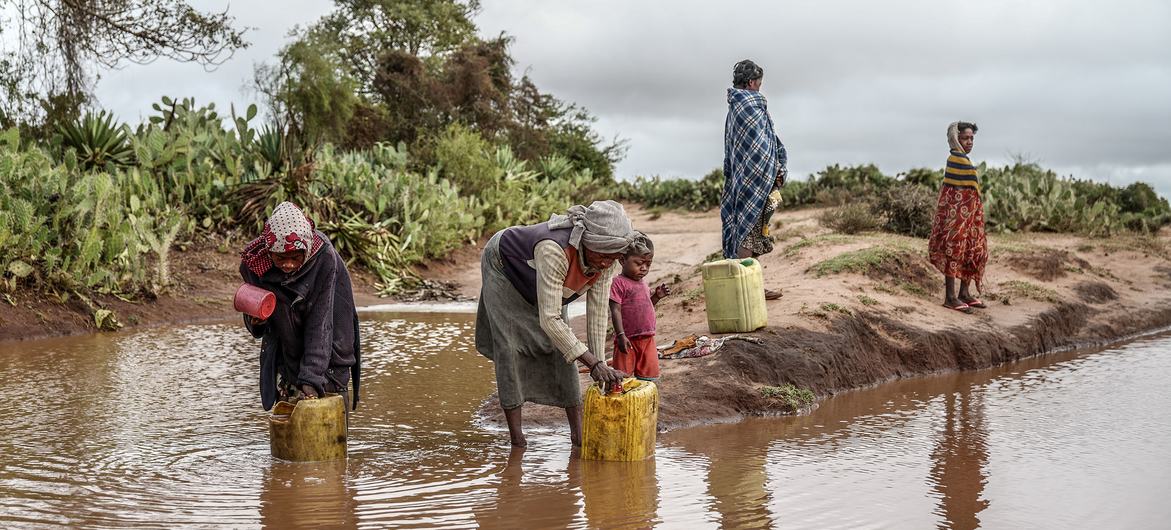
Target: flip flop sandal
962,308
975,302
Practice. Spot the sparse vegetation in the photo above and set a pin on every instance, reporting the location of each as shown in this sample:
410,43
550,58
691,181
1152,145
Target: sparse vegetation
793,397
851,218
1012,289
858,261
830,307
824,239
866,300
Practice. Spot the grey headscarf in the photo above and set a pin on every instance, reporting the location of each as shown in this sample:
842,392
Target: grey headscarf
603,227
953,137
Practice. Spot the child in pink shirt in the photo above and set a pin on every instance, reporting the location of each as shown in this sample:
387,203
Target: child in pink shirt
632,308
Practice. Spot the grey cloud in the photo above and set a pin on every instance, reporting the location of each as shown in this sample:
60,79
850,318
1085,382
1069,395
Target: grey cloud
1079,85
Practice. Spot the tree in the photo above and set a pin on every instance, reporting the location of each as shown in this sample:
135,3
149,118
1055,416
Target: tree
476,84
362,30
544,125
308,92
59,44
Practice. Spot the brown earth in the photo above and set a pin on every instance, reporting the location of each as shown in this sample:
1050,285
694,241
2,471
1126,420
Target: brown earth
841,331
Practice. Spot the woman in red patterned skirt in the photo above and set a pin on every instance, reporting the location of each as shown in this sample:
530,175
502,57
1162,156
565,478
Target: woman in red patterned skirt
958,246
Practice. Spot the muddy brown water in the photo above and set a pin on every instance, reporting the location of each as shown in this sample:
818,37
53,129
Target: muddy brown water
163,428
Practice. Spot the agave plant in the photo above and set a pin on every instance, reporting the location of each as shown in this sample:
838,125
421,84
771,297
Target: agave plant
270,145
98,141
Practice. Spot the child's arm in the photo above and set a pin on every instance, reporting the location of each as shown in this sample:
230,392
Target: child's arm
661,292
622,343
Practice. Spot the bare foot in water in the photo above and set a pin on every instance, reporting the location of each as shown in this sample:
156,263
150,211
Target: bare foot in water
519,442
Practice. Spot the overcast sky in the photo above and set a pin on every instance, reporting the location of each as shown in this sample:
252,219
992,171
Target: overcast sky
1083,87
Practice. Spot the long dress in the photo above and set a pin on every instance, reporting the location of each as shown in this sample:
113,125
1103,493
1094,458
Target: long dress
958,246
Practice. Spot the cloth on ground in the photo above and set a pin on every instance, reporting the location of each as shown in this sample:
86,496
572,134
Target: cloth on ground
699,346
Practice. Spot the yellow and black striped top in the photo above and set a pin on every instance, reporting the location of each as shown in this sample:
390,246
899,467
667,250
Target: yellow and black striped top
960,171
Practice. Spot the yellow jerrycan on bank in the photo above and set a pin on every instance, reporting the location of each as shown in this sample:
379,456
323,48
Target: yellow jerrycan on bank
620,426
733,290
312,430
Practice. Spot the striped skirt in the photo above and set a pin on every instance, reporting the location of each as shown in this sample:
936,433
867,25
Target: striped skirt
958,246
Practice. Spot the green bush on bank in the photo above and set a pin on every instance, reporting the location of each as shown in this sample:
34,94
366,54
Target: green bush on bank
82,231
73,220
1020,197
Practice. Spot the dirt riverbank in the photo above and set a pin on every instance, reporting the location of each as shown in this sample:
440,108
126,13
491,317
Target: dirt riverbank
205,275
863,309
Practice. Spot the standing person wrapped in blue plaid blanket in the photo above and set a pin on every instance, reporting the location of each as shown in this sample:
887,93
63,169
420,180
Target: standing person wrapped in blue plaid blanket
754,166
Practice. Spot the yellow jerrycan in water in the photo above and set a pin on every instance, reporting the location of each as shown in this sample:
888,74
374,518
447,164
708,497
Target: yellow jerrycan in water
620,426
733,290
311,430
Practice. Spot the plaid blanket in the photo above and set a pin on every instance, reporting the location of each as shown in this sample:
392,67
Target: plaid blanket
753,154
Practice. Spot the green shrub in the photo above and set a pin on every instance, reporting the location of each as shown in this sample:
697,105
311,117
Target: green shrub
465,159
792,396
850,219
1026,198
62,229
700,195
907,209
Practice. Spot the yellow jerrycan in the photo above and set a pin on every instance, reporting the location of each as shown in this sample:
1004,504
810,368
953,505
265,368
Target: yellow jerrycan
311,430
733,290
620,426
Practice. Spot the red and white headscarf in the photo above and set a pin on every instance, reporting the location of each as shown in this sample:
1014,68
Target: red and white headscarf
287,230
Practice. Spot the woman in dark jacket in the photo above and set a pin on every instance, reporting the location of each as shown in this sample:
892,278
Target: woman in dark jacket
310,343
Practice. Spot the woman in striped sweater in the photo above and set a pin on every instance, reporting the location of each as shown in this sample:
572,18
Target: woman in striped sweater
958,247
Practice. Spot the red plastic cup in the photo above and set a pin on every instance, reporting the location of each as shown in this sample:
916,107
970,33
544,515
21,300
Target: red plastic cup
254,301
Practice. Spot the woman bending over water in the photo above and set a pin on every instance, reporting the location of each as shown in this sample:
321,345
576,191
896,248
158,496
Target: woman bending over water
309,345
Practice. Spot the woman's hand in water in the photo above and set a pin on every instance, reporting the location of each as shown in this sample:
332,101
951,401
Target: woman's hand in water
309,391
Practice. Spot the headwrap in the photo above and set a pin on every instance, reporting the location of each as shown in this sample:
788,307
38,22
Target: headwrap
603,227
287,230
642,245
953,137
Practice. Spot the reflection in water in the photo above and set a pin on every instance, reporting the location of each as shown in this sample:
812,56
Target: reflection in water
960,459
737,477
163,427
619,494
307,495
516,502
